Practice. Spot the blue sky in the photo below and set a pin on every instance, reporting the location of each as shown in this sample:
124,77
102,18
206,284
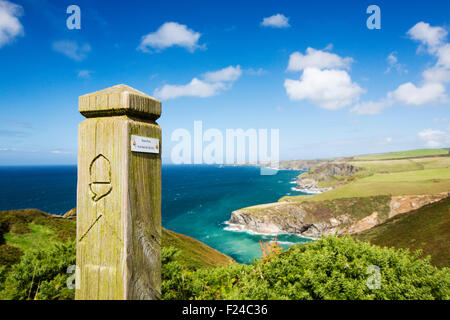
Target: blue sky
355,91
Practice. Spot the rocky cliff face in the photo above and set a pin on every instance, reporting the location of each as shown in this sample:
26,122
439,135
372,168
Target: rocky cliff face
328,173
314,219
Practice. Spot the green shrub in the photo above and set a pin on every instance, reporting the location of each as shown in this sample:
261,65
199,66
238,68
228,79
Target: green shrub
41,274
332,268
9,255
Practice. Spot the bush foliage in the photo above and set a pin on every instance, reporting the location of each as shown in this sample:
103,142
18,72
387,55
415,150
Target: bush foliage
40,274
331,268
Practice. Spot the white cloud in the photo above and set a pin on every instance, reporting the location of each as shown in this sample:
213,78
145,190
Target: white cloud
436,74
276,21
317,59
85,74
432,89
429,36
409,94
171,34
195,88
444,56
370,107
212,84
434,138
226,74
329,89
394,64
10,26
71,49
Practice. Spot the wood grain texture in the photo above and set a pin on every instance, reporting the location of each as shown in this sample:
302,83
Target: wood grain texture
118,205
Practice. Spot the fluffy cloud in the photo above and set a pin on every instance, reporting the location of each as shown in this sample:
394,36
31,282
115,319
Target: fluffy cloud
276,21
195,88
432,89
171,34
226,74
434,138
444,56
429,36
436,74
212,84
72,50
409,94
329,89
317,59
10,26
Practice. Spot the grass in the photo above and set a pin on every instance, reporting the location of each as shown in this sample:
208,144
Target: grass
403,183
404,154
194,254
427,229
389,166
31,229
40,237
299,198
381,178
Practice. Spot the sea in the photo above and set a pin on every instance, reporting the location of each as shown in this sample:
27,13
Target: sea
197,200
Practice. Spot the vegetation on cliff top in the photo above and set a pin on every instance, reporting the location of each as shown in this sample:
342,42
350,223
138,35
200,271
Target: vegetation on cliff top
417,153
426,229
331,268
36,249
31,229
388,177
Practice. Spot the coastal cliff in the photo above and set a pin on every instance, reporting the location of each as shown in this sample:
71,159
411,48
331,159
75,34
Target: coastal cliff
351,195
325,177
314,219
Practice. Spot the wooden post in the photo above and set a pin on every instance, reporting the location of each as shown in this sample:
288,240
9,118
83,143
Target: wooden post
119,196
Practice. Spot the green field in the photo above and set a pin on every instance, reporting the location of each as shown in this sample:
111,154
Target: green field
390,177
400,183
404,154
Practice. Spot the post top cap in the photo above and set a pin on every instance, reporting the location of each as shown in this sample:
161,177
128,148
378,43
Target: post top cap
119,100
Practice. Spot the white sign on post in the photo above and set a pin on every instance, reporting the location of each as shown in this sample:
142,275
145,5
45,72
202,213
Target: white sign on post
144,144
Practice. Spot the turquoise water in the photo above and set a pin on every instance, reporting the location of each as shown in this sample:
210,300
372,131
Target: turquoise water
196,200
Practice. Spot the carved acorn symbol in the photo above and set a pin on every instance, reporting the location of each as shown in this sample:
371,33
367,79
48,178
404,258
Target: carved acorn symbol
100,177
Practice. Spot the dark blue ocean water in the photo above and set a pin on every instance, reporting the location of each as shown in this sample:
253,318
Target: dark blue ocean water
196,200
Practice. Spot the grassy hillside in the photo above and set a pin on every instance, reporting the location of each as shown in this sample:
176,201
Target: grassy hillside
194,254
31,229
427,228
405,154
421,175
